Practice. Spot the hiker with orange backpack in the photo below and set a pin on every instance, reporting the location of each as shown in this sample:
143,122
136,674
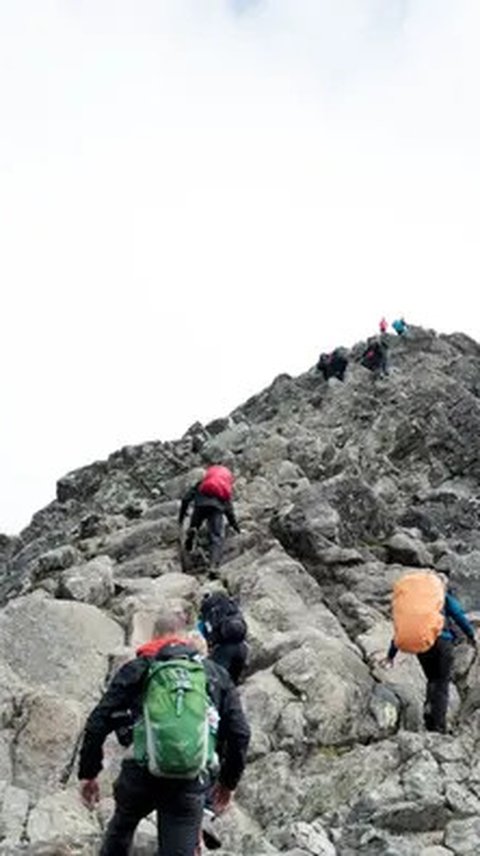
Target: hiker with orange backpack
212,499
424,615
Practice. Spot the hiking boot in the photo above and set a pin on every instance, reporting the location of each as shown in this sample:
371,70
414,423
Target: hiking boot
209,833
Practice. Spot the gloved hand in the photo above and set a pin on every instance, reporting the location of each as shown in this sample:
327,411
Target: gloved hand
221,798
90,792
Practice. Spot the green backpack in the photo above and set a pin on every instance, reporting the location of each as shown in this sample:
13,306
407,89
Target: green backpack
175,737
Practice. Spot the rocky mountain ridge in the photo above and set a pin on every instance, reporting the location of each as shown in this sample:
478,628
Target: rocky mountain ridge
338,488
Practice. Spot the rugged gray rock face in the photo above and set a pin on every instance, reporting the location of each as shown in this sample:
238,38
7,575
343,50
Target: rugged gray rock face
338,489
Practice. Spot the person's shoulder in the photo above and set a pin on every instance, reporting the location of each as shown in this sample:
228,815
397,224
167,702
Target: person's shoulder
132,670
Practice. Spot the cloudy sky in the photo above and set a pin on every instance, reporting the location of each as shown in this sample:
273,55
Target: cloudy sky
197,195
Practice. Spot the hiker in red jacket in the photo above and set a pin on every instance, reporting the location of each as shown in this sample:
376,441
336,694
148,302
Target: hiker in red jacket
212,499
178,798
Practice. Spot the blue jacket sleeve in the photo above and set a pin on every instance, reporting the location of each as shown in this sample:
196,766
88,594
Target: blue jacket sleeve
454,611
202,629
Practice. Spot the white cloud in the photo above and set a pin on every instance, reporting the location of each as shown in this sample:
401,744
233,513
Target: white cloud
180,181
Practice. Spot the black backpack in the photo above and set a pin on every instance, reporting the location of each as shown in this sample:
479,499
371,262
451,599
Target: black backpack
222,619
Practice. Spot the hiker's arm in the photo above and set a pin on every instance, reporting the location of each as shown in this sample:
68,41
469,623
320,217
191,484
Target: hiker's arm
455,611
392,651
230,515
234,738
119,696
186,500
201,627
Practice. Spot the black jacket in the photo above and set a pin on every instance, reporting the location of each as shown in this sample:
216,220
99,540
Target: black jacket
375,355
333,365
125,693
203,500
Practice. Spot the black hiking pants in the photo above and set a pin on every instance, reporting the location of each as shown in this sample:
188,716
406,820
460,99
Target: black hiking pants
232,656
437,666
214,518
179,807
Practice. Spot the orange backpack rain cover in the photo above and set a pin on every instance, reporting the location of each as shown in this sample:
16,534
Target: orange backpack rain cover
418,601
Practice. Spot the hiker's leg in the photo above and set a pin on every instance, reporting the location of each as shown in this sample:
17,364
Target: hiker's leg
180,810
427,662
215,531
440,686
232,656
133,801
196,520
437,666
238,662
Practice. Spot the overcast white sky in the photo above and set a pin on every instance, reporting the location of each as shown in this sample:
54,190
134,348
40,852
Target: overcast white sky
197,195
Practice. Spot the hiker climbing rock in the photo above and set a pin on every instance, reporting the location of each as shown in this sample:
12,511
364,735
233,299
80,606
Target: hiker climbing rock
224,627
333,365
383,326
424,612
212,499
400,326
172,692
375,356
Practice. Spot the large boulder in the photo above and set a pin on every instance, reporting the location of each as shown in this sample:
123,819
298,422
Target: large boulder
13,814
144,598
140,539
341,510
275,714
91,582
61,815
335,686
61,645
47,737
279,595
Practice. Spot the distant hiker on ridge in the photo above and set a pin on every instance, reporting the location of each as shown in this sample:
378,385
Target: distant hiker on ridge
212,499
333,365
383,326
375,356
424,612
400,326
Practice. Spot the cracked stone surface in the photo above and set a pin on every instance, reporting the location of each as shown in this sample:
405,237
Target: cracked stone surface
339,488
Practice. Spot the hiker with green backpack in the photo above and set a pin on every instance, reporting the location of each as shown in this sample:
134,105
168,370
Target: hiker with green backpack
189,727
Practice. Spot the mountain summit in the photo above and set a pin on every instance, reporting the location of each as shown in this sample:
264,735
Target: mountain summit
340,486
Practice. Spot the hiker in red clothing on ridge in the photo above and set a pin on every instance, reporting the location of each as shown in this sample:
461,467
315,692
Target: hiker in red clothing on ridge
212,499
